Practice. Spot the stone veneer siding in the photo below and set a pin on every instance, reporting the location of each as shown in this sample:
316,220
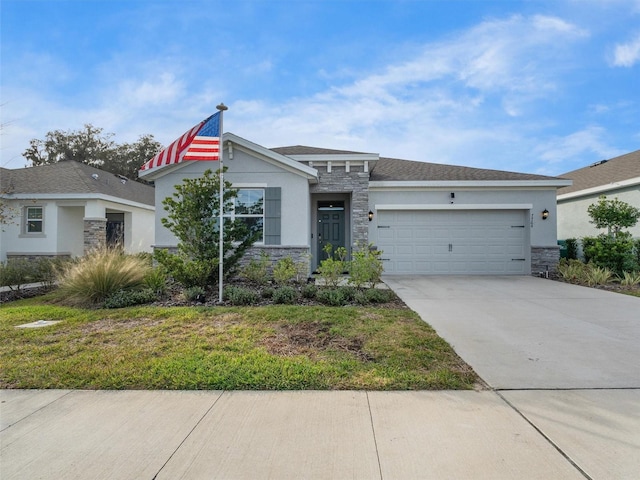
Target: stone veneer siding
95,234
355,182
275,252
544,259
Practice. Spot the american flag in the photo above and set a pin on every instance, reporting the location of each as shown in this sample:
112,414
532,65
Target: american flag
202,142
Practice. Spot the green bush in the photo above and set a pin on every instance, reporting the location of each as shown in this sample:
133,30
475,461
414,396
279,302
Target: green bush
332,267
572,248
194,294
285,271
240,296
332,296
285,295
127,298
309,290
100,274
186,271
376,295
16,272
257,271
156,280
573,271
630,279
614,253
365,267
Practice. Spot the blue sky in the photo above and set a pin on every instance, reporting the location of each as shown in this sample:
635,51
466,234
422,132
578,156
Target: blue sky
531,86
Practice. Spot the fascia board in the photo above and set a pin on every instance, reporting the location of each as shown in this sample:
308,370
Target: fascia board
600,189
78,196
470,184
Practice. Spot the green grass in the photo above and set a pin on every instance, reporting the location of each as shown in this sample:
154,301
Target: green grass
265,348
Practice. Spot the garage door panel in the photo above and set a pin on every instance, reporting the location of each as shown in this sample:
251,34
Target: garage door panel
458,242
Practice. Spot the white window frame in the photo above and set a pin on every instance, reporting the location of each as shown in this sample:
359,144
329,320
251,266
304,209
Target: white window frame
27,220
233,215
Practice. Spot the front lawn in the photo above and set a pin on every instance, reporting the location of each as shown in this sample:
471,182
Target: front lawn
262,348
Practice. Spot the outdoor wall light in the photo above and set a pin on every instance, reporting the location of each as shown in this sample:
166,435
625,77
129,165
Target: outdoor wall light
370,215
545,214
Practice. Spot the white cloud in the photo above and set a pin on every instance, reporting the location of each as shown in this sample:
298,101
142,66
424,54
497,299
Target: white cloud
576,145
627,54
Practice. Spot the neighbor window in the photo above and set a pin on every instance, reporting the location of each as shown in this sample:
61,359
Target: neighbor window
249,208
34,219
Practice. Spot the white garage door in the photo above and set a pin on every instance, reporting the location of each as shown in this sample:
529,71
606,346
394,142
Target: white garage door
454,242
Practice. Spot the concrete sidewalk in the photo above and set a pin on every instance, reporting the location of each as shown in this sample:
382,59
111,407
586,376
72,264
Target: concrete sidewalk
60,434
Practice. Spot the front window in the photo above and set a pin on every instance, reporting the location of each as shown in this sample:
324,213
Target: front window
34,219
249,208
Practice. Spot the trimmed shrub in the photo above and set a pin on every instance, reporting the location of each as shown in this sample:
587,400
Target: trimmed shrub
127,298
100,274
332,296
194,294
309,291
614,253
240,296
376,295
285,295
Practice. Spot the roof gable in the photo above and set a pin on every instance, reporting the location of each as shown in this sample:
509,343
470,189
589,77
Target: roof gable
606,172
70,177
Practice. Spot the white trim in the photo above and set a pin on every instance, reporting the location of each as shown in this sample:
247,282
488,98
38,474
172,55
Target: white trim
79,196
249,185
338,158
600,188
469,183
455,206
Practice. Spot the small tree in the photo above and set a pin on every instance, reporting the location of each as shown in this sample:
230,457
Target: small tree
613,250
614,215
193,217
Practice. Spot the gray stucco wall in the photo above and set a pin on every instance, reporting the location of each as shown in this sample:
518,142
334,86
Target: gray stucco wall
245,170
574,221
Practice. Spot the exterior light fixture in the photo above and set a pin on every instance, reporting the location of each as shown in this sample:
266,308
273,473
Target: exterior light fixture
545,214
370,215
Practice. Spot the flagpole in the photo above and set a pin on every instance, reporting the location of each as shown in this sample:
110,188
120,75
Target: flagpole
221,108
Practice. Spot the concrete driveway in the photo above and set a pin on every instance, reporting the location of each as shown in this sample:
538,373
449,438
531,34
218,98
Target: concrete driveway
521,332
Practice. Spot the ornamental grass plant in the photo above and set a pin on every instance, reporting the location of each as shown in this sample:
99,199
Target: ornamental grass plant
99,275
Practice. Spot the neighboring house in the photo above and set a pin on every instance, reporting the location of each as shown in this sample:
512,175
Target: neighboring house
618,178
68,208
426,218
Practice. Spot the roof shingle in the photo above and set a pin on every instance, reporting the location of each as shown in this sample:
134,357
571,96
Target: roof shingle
70,177
602,173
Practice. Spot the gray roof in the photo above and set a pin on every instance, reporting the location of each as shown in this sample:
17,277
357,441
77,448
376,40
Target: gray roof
304,150
602,173
70,177
393,169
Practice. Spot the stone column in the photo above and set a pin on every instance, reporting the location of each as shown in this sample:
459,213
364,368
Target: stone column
95,234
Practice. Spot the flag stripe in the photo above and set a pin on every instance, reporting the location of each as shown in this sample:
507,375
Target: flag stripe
191,146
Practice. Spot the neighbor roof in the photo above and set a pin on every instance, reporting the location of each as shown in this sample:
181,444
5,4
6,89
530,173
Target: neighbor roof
393,169
605,172
70,177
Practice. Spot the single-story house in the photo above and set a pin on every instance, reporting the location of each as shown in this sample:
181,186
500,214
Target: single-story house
617,177
426,218
69,208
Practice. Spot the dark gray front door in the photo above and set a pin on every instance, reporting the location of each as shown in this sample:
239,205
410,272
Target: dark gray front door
330,226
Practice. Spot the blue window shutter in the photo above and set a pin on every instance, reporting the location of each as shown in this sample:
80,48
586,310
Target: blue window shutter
272,215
